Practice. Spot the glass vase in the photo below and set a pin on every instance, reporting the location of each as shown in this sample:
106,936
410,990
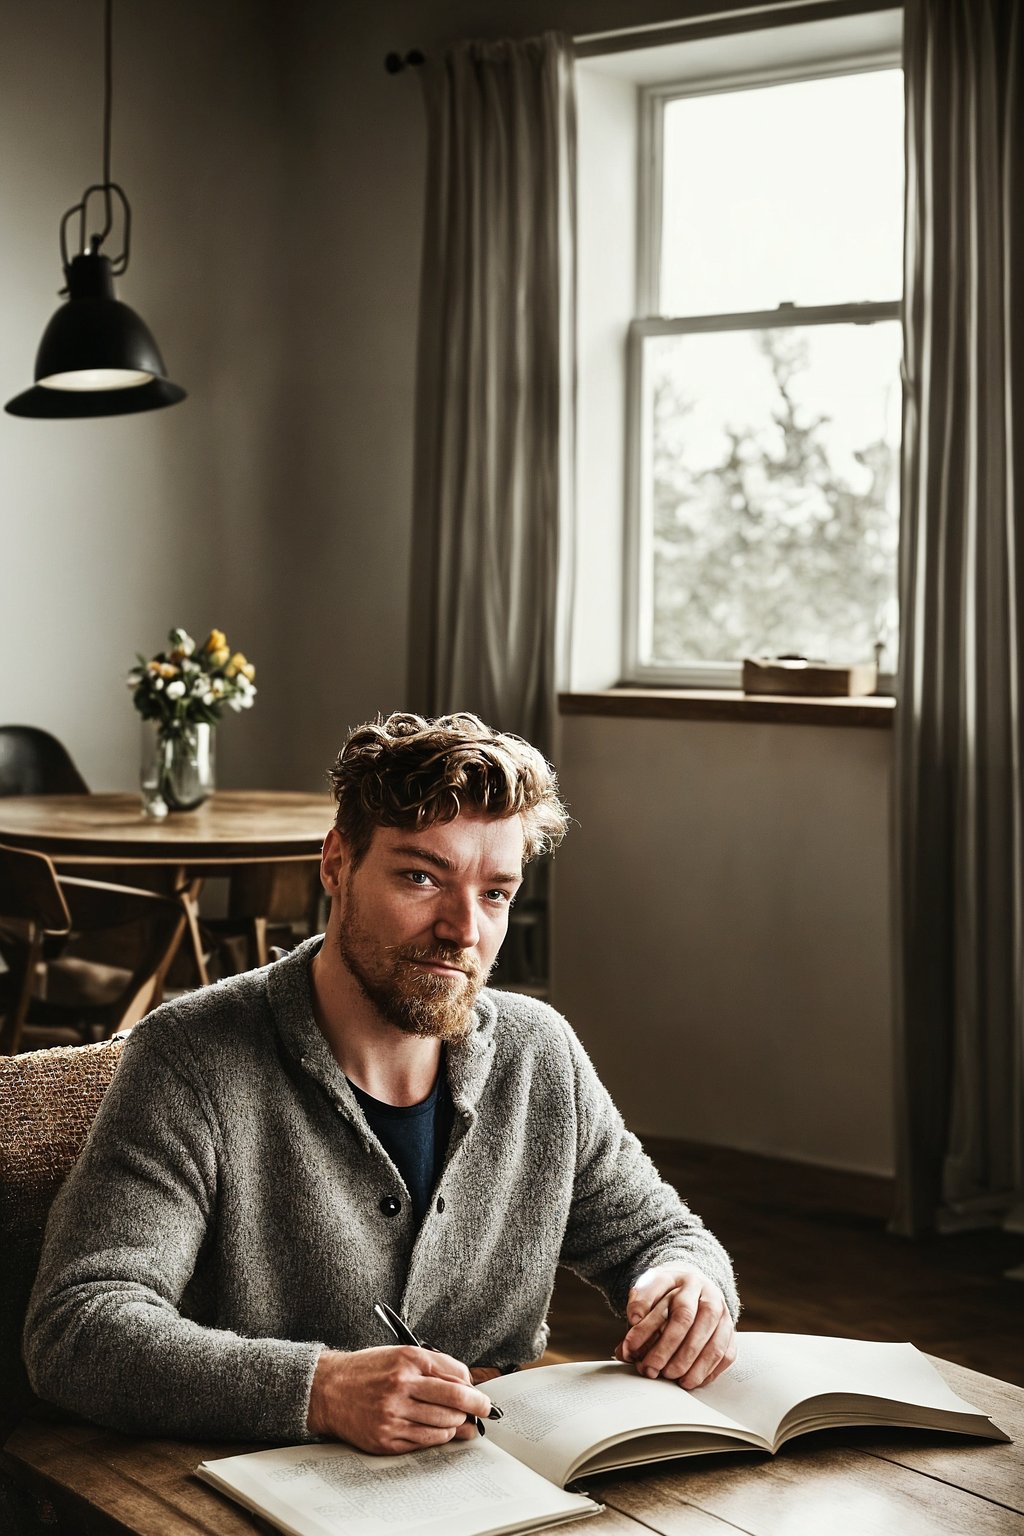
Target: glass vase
178,768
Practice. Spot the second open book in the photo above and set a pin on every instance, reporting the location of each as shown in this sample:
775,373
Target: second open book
563,1422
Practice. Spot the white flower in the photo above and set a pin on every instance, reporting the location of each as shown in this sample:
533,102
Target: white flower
199,686
157,684
133,679
176,690
207,698
217,687
182,641
246,701
235,704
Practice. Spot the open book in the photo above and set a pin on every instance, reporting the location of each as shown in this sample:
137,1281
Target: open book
562,1422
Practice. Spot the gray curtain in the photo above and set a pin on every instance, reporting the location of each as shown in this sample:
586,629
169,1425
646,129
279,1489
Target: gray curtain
959,809
494,385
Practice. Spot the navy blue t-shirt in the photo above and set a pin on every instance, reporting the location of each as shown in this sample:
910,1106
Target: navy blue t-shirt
415,1137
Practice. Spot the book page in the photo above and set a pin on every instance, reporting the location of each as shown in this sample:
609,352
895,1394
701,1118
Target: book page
466,1488
776,1372
557,1416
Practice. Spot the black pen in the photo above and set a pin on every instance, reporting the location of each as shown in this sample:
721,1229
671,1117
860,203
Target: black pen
404,1334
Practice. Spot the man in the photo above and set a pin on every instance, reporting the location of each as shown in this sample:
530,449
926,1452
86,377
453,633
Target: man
364,1121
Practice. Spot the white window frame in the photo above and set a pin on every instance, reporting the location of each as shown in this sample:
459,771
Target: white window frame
637,554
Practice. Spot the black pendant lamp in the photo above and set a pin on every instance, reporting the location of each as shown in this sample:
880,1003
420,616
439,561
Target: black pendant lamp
97,357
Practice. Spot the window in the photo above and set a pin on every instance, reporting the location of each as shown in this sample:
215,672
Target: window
764,389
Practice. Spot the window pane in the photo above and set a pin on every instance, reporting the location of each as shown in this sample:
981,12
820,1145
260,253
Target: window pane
783,193
771,469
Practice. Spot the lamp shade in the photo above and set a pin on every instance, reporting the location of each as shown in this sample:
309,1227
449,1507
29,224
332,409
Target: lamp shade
97,356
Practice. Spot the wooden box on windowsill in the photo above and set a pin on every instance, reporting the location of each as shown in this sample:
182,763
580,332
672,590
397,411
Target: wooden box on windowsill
772,674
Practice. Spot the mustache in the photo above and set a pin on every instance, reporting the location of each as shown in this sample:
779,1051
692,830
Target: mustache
439,954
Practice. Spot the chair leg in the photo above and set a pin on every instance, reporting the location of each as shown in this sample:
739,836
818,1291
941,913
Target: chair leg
10,1033
188,896
258,952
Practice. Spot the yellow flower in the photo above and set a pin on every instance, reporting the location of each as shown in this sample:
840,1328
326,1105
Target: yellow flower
248,670
215,641
219,656
163,668
237,663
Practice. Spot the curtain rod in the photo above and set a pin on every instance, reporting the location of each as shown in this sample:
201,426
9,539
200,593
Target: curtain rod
745,19
748,19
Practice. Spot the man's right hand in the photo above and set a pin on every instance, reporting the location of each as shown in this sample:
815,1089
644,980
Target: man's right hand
394,1399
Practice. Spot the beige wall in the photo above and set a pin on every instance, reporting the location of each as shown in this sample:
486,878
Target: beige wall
112,531
721,930
275,171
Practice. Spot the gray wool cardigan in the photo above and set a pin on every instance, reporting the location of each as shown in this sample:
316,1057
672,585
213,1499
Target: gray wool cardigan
229,1216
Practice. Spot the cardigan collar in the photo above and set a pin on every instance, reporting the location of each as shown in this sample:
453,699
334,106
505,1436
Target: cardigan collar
290,991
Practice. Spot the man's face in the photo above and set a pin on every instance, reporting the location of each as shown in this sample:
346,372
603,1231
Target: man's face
420,921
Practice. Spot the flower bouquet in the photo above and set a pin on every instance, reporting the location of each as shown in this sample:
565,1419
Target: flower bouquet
184,691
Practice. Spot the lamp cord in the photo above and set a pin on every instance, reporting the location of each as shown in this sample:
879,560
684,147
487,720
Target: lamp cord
108,98
107,188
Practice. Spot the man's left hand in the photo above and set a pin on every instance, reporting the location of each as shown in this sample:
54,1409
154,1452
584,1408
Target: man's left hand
680,1327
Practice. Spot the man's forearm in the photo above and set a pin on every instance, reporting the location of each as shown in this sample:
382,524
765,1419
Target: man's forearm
136,1365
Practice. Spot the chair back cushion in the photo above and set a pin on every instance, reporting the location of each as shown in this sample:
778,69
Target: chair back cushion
48,1101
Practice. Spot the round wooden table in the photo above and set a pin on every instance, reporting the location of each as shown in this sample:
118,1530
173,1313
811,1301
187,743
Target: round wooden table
235,828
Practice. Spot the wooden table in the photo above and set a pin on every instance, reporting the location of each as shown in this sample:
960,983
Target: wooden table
233,826
232,829
863,1482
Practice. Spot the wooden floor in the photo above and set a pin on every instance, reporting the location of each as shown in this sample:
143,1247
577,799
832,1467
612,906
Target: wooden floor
812,1256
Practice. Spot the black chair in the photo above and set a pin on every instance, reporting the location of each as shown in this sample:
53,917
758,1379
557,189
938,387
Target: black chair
32,762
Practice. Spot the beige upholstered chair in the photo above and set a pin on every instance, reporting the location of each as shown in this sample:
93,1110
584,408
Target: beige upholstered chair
48,1101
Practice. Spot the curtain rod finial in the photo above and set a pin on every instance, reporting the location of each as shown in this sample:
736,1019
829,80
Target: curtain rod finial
394,63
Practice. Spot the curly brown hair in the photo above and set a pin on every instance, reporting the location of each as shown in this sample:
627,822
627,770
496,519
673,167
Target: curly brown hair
407,771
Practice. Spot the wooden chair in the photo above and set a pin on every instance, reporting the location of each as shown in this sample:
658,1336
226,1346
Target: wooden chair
77,991
277,903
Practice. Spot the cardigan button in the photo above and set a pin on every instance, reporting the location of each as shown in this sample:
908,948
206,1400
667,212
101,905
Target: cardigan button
390,1205
440,1204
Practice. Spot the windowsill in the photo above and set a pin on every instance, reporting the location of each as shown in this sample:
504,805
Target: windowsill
730,704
